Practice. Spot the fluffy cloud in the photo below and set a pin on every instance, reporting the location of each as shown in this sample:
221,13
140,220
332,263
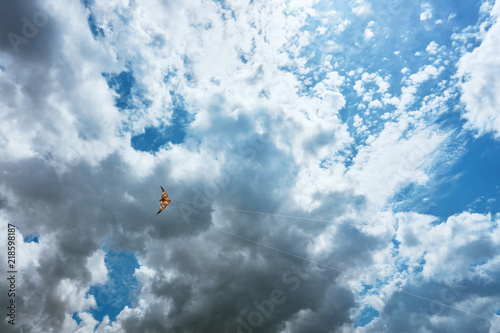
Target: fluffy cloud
480,70
360,7
432,47
426,13
445,271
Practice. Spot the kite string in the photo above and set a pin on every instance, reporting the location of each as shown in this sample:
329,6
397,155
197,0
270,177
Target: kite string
280,215
317,263
448,306
310,219
260,244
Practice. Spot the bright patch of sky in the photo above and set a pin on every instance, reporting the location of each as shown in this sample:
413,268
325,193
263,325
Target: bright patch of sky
119,289
154,138
365,317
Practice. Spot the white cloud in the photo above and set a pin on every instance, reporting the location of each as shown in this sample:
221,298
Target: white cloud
486,7
360,7
368,34
334,80
358,121
432,47
358,87
481,71
342,26
375,104
73,297
426,73
390,161
453,249
97,267
321,30
426,12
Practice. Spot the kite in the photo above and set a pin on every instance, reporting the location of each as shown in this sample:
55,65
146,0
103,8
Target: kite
164,201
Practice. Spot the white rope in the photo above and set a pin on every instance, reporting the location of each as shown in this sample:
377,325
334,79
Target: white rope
280,215
260,244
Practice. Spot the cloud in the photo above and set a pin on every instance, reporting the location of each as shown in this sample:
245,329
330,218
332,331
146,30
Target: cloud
480,71
368,34
428,72
360,7
445,275
432,47
397,168
30,31
426,13
269,138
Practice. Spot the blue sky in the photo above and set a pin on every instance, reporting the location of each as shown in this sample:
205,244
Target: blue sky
332,165
119,289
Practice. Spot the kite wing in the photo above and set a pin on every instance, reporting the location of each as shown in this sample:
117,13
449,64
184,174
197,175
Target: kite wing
164,201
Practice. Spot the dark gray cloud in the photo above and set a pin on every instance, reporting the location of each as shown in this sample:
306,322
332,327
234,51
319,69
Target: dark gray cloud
28,31
405,313
217,277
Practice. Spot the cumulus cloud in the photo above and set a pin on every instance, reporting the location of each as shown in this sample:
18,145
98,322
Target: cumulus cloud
368,34
360,7
426,13
432,47
480,71
82,152
447,275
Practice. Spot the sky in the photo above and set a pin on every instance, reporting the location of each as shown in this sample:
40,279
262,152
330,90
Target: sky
332,165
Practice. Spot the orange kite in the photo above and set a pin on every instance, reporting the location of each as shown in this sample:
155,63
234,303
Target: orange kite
164,201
